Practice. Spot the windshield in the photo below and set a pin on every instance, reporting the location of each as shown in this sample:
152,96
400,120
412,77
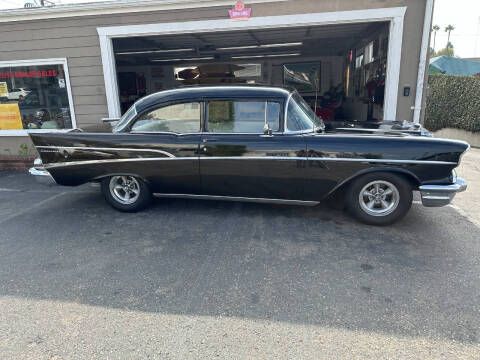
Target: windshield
125,119
300,117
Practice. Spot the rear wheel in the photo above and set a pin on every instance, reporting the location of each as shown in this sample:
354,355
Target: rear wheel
126,193
379,198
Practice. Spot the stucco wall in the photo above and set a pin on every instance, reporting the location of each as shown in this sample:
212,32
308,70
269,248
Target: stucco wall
77,40
458,134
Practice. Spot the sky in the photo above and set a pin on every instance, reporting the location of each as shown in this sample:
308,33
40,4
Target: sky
463,14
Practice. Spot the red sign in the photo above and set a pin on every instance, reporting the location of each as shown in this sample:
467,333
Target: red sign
27,74
240,12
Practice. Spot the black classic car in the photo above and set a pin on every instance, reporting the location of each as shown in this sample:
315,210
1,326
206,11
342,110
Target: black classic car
251,143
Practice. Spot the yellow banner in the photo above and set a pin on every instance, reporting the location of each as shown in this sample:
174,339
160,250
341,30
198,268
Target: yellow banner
3,89
10,118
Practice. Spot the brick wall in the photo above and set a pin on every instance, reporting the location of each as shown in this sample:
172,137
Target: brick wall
15,162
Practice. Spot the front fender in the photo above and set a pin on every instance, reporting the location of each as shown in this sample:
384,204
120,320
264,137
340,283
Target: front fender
409,175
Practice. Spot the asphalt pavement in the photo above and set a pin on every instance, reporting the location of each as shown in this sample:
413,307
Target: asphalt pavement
191,279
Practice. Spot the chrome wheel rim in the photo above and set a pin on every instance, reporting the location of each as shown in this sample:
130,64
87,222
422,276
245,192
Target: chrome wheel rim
124,189
379,198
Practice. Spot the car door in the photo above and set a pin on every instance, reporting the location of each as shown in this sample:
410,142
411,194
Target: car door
238,159
173,131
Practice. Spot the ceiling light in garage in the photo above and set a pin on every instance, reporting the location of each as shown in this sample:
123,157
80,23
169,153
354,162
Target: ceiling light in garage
264,56
190,59
248,57
282,55
261,46
153,51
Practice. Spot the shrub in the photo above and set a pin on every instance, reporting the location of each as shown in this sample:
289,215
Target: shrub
454,102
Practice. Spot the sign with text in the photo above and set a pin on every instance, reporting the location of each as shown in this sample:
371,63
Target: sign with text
28,74
240,12
10,118
3,89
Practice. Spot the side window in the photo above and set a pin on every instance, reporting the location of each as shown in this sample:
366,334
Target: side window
178,118
296,118
242,116
300,116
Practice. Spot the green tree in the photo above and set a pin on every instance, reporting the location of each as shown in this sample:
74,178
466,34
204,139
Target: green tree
449,29
435,28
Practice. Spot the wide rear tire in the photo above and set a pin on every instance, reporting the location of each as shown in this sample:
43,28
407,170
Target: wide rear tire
379,198
126,193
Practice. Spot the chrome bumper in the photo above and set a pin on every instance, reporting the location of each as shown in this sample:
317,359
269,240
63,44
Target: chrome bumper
42,176
441,195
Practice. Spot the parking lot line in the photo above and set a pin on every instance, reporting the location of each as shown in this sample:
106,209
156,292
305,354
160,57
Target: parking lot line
21,212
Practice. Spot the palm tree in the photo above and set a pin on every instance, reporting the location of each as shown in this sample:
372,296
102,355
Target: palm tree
435,28
449,29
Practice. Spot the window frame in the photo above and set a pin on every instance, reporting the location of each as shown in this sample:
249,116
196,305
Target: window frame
128,127
280,101
40,62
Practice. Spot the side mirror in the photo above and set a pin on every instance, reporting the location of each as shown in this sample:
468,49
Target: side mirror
267,130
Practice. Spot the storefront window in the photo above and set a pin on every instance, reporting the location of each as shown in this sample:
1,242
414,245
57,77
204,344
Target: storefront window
34,97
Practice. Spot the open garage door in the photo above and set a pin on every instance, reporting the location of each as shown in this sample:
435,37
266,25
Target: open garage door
339,69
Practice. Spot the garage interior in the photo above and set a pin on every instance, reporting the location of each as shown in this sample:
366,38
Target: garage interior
339,69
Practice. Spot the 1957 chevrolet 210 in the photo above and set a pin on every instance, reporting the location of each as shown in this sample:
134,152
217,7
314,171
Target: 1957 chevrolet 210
251,143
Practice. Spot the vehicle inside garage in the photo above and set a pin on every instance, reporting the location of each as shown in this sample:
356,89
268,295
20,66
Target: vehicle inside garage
339,69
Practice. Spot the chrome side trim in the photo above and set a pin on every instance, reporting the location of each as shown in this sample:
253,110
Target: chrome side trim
89,162
83,148
201,133
389,161
242,199
290,158
441,195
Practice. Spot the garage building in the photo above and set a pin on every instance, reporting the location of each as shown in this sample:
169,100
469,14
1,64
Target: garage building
69,66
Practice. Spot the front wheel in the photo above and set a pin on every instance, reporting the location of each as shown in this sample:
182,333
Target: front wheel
126,193
379,198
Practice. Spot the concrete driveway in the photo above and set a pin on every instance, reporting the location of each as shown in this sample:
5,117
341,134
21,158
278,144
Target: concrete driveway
201,279
469,202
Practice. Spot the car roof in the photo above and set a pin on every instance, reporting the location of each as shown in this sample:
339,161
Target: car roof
196,92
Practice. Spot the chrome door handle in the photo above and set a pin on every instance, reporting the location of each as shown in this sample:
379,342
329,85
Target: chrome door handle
208,140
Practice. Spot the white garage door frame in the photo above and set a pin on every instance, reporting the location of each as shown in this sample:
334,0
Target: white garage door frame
394,15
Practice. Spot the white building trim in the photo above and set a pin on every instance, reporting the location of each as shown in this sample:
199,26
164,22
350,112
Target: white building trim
111,8
422,66
394,15
392,79
55,61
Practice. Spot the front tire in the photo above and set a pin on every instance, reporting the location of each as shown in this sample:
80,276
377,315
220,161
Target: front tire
126,193
379,198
